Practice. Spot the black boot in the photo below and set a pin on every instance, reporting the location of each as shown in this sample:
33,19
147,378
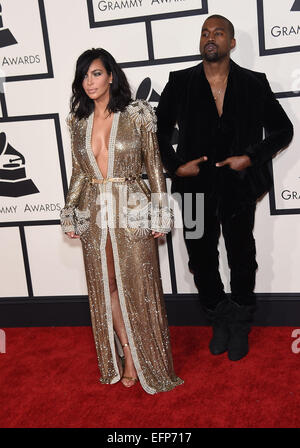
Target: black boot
239,325
219,317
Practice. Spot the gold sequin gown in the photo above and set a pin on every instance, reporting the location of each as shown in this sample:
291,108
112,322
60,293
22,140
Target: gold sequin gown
132,148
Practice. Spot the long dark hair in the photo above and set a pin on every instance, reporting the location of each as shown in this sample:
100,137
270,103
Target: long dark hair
119,95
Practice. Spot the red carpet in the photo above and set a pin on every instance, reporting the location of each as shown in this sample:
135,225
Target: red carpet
49,378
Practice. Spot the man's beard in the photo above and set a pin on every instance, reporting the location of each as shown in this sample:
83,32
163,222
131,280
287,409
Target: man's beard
211,57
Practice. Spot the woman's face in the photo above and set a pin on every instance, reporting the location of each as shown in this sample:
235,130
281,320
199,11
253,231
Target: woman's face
96,81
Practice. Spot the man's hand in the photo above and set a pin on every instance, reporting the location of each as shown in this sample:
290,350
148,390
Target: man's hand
191,168
237,163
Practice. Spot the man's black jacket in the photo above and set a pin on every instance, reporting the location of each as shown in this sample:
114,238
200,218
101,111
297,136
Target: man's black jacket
187,101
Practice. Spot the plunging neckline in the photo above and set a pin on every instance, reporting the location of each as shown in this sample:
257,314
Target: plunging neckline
92,128
111,142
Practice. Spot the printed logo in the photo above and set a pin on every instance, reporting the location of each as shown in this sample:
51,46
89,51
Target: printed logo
278,28
113,12
27,191
296,6
119,12
146,92
290,195
24,55
13,182
6,37
285,196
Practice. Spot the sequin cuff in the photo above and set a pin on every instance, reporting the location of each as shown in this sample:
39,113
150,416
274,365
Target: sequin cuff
67,219
82,220
74,220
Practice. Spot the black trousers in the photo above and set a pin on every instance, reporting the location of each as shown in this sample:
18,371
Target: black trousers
237,228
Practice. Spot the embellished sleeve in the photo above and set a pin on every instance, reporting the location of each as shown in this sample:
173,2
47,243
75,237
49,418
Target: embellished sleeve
161,215
68,212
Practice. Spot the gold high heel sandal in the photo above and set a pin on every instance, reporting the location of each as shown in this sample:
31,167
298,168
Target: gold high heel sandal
130,378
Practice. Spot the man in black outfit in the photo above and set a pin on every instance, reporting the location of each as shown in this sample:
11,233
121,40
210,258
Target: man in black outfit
221,110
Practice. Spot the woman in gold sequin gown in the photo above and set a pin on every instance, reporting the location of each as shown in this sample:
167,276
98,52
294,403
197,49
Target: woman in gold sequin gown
113,140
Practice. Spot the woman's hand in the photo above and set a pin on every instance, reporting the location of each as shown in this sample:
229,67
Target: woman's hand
72,235
157,234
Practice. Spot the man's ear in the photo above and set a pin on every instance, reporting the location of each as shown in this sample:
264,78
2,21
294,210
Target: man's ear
232,44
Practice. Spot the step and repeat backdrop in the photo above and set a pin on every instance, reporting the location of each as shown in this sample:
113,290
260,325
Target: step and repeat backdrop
40,41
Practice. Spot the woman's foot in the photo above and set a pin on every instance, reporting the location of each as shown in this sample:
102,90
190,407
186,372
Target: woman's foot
129,377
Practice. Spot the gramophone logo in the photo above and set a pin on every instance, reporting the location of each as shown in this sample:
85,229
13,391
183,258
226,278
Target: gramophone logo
278,27
13,181
146,92
24,43
6,37
296,6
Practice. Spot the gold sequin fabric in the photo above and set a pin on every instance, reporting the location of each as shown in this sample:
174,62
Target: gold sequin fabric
93,210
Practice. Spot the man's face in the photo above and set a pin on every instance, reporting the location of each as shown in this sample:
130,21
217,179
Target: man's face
216,41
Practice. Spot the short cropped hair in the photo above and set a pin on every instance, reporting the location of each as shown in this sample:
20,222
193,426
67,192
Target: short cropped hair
229,24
